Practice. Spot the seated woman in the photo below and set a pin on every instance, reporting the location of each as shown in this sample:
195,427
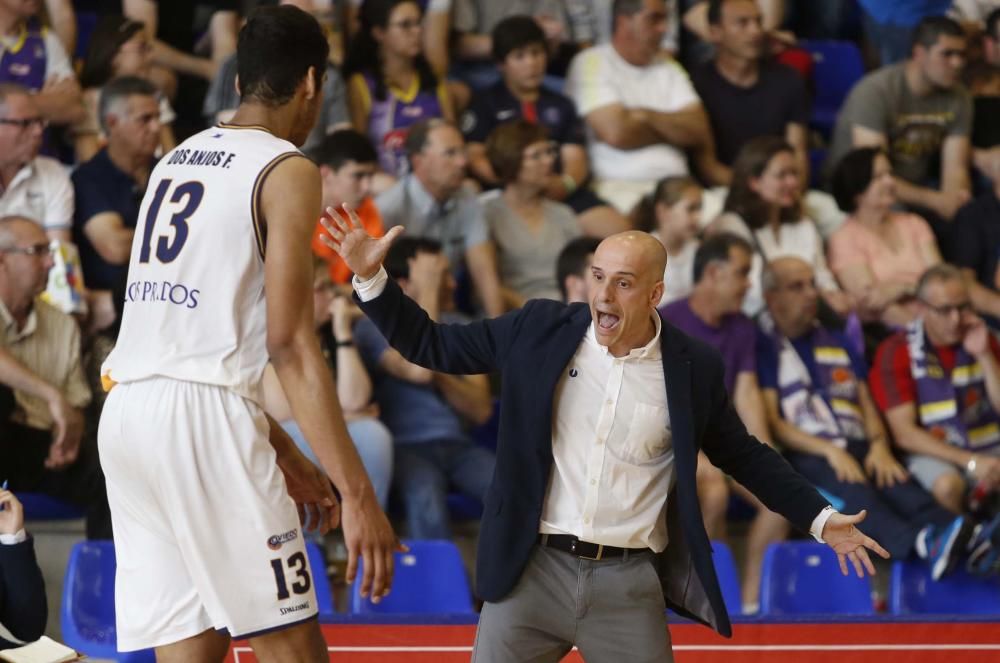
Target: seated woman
335,316
528,229
672,214
878,254
390,84
118,47
764,206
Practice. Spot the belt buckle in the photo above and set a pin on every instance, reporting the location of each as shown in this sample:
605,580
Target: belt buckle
600,551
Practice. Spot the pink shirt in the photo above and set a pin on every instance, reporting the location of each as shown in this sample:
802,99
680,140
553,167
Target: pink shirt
854,244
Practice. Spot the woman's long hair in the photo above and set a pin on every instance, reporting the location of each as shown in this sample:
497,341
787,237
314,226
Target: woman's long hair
363,56
751,162
108,37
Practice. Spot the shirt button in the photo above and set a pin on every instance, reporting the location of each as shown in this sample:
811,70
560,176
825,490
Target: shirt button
608,402
586,521
593,482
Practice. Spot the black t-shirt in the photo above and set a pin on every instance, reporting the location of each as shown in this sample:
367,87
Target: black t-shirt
976,243
496,105
738,114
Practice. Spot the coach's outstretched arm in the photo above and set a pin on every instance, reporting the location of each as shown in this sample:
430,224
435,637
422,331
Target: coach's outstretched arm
296,357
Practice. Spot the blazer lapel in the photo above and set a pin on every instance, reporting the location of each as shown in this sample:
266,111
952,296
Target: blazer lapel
565,342
677,375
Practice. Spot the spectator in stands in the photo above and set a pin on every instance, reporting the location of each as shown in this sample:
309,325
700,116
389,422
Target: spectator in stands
983,80
347,163
764,206
819,407
474,21
889,24
528,229
878,254
436,30
573,269
712,314
34,58
33,186
118,47
991,38
519,51
23,607
335,317
430,201
391,85
425,410
640,108
41,450
696,38
739,78
110,186
672,214
921,114
978,254
938,385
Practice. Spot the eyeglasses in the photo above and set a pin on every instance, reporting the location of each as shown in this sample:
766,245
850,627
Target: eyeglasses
946,310
408,24
41,250
25,123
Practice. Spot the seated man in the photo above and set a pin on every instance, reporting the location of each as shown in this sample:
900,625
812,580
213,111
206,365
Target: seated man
33,57
740,78
712,314
347,163
109,187
426,410
641,110
921,114
938,384
519,52
31,185
431,202
40,361
573,268
23,608
819,407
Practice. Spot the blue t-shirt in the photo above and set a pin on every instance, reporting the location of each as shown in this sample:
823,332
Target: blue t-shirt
904,12
767,358
414,413
496,105
100,186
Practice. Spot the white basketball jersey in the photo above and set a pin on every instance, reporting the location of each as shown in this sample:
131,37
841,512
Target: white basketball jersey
194,303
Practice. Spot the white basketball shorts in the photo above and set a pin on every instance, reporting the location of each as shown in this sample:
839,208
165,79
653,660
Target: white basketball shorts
206,536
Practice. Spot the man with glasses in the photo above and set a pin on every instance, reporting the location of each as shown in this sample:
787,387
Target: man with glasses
110,186
31,185
819,408
44,448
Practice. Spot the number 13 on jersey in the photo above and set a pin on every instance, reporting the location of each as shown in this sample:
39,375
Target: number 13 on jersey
189,194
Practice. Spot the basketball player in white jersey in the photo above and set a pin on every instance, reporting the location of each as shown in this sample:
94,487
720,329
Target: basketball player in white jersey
207,539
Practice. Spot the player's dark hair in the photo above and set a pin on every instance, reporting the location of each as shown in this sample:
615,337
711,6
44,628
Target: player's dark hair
572,260
852,176
931,28
397,260
341,147
274,52
363,56
716,248
515,32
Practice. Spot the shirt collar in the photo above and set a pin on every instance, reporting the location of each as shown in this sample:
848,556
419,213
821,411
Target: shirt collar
24,172
427,206
10,331
651,351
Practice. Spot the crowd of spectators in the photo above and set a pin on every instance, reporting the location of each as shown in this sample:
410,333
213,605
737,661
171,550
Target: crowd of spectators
855,299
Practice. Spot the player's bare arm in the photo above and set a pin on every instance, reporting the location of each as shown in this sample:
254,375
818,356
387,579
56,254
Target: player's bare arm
290,201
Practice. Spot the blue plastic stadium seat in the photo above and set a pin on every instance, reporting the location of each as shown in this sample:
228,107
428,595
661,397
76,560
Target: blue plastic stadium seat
911,591
88,604
324,598
803,577
428,579
38,506
729,579
838,66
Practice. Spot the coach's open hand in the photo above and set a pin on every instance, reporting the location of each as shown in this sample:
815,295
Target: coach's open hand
850,543
362,252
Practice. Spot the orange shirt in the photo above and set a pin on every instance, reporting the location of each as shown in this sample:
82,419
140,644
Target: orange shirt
371,221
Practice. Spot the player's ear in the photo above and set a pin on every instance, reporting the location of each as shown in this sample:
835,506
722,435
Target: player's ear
310,83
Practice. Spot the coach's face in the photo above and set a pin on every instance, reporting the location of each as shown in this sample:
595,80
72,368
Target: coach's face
626,283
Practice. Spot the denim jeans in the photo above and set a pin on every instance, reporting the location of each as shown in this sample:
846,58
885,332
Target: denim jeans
374,444
424,473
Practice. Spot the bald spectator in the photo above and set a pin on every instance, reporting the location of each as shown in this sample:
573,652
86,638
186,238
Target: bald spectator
33,186
642,112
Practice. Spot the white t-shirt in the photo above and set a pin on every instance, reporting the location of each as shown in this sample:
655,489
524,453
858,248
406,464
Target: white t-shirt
42,192
678,277
599,77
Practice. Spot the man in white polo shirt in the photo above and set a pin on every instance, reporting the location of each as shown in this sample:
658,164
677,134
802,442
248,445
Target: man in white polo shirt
642,112
32,186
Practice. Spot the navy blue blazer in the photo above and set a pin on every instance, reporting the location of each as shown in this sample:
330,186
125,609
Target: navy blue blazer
531,347
23,608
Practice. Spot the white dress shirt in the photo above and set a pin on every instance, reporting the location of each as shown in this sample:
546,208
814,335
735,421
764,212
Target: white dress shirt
611,445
